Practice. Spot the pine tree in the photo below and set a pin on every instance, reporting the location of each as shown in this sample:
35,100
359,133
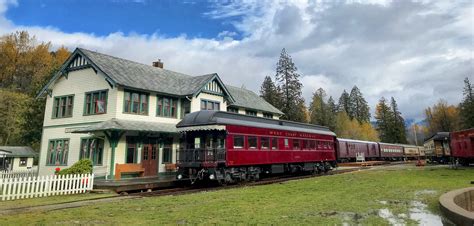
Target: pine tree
343,104
318,108
287,78
270,93
397,127
358,107
331,115
466,107
383,116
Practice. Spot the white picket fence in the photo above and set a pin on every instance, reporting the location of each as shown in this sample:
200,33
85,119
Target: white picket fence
4,174
32,187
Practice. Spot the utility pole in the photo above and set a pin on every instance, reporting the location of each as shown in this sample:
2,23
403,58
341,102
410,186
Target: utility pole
414,130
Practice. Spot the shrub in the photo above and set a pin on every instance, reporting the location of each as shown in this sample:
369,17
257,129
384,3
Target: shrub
83,166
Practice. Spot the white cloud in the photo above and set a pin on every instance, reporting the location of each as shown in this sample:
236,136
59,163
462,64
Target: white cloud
417,52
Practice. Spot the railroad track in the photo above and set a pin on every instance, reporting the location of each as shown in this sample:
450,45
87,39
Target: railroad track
264,181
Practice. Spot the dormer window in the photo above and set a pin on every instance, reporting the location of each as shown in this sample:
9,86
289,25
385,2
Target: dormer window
210,105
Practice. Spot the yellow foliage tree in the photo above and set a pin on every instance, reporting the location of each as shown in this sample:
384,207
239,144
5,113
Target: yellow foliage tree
442,118
352,129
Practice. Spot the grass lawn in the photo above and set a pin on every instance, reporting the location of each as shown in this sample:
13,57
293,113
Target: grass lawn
354,198
50,200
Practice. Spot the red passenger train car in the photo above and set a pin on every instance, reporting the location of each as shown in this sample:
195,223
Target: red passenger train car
348,150
462,146
229,147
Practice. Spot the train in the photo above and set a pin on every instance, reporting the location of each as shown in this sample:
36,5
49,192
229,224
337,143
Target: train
228,147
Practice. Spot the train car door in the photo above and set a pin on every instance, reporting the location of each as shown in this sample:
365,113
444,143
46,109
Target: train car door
150,157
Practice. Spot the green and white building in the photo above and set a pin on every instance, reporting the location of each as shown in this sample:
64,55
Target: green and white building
116,111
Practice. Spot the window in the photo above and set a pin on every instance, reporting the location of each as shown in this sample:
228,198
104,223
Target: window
185,107
287,144
265,143
274,143
23,161
62,106
238,141
312,144
267,115
58,152
167,152
93,149
210,105
251,113
252,141
306,145
167,107
131,155
135,103
96,103
233,109
296,144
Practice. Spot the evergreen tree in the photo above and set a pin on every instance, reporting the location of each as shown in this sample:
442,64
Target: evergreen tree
466,108
358,107
332,111
343,104
287,78
318,108
383,116
270,93
397,124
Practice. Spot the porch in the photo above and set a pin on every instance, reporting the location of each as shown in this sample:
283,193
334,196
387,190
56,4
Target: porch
142,149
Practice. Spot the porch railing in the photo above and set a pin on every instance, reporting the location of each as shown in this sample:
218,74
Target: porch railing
201,155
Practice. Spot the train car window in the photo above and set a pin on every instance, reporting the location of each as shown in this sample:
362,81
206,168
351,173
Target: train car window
238,141
264,143
306,144
220,142
296,144
320,145
326,146
252,142
312,144
287,143
274,143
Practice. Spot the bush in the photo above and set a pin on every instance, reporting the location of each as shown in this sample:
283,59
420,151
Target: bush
83,166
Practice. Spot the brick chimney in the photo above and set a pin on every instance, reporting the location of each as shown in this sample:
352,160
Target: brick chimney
158,63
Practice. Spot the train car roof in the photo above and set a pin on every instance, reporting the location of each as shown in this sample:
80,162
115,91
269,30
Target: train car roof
208,118
399,145
438,136
358,141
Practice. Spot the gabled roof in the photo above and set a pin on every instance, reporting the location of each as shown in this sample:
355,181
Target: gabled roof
209,118
250,100
18,151
130,74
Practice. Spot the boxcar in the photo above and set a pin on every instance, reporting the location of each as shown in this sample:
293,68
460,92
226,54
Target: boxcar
462,146
390,151
348,150
228,147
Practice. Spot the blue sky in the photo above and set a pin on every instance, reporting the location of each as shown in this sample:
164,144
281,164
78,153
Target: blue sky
167,17
415,51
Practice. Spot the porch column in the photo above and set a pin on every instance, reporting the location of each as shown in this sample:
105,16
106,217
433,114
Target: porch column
113,137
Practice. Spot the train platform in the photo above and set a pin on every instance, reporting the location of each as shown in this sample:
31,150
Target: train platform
137,183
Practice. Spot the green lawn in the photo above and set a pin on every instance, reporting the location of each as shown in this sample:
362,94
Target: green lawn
50,200
352,198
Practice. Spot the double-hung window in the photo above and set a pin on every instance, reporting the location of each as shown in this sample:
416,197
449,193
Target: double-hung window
233,109
62,106
166,107
96,103
93,149
135,103
58,152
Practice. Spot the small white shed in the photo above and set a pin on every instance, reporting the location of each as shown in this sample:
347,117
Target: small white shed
16,158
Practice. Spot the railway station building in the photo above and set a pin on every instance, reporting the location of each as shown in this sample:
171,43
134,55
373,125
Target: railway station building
122,114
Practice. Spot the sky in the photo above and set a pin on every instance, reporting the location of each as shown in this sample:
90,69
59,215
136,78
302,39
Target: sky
415,51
